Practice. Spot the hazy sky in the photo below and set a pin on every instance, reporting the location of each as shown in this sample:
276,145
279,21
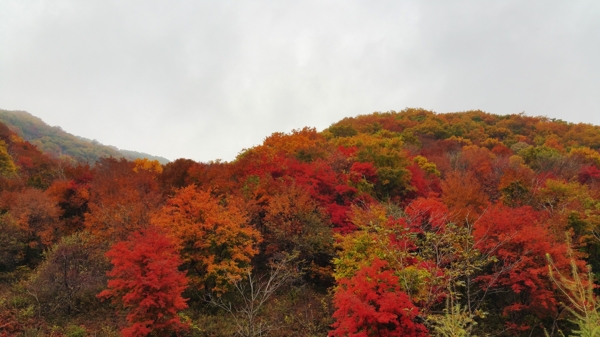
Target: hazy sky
205,79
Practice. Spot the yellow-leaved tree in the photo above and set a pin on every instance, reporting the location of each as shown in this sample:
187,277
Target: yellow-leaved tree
7,166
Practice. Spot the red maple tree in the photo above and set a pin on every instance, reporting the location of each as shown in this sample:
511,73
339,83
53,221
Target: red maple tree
371,303
145,281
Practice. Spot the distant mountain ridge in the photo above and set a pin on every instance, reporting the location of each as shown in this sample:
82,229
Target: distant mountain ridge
61,144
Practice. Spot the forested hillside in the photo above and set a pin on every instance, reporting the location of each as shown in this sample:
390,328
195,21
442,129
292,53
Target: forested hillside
407,223
60,144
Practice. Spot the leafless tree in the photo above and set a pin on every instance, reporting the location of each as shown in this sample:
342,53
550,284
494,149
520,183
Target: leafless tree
256,291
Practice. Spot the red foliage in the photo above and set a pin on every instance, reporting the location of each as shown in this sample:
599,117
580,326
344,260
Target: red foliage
37,169
328,187
543,177
37,215
478,160
72,197
430,212
588,174
121,199
214,174
520,239
348,151
501,150
146,282
418,180
425,184
176,174
365,171
402,242
372,303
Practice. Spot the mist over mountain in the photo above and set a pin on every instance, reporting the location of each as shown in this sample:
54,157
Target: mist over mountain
61,144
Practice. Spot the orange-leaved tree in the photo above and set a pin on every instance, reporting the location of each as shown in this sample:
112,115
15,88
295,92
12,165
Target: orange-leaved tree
212,235
464,196
145,281
37,215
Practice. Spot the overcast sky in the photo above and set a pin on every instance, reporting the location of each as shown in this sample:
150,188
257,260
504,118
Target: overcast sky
205,79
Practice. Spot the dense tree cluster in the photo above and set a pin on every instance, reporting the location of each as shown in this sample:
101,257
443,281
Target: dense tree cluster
405,223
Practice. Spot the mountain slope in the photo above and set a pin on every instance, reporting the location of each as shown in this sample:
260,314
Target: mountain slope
395,213
56,142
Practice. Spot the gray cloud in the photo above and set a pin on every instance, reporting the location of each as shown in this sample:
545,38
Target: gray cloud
203,80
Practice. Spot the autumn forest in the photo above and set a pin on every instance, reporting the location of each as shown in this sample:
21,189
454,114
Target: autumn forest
410,223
